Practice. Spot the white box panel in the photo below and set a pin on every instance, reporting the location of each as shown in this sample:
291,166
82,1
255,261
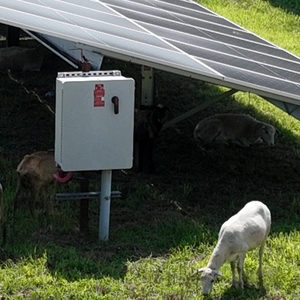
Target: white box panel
89,134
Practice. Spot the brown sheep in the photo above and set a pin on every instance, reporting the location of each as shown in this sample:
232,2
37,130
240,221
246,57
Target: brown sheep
240,129
36,172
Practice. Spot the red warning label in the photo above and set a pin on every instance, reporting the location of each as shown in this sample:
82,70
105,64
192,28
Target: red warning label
99,94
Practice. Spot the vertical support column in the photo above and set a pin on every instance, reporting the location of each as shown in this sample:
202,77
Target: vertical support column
147,86
105,205
12,36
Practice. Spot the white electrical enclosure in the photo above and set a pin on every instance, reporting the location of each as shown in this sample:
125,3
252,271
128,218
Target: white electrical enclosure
94,121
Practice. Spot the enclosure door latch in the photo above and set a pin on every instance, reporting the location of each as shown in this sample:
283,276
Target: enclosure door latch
115,101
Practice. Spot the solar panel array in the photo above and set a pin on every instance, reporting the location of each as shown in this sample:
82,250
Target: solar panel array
180,36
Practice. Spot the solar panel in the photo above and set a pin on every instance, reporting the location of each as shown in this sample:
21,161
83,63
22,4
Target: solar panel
180,36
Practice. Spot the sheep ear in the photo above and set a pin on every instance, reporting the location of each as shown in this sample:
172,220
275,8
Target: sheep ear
264,129
198,271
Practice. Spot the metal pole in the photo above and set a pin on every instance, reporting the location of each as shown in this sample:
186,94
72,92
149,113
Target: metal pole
12,36
147,86
105,205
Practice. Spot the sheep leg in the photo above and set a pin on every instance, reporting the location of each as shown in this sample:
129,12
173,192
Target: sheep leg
232,265
218,138
136,155
16,200
47,204
50,207
139,156
242,142
214,137
148,156
261,252
145,159
240,268
31,204
49,201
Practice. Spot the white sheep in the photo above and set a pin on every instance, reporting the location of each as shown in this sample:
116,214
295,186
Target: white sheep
239,129
244,231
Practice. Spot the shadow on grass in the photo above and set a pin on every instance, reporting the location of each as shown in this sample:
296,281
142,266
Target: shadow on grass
292,6
249,292
208,186
73,256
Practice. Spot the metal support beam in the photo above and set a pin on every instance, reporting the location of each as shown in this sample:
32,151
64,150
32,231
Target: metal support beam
88,195
147,86
290,108
12,36
104,202
198,108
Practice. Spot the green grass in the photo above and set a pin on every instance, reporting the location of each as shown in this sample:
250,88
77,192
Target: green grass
165,225
161,277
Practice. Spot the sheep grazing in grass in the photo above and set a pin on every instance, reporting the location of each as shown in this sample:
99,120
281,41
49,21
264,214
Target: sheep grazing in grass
147,124
244,231
21,59
36,172
240,129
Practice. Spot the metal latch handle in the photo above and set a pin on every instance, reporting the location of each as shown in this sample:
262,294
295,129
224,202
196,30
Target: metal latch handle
115,101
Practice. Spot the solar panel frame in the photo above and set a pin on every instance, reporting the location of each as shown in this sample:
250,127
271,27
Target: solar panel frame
228,50
177,36
111,42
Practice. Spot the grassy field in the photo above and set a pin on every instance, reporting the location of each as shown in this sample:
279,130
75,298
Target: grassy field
165,225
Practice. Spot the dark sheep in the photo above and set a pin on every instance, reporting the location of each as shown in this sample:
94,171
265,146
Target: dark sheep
21,59
239,129
147,124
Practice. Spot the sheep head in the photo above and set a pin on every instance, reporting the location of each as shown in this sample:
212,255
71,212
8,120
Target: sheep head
159,113
268,134
208,278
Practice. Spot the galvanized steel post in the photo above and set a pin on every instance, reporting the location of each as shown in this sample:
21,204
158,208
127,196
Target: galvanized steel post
105,205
